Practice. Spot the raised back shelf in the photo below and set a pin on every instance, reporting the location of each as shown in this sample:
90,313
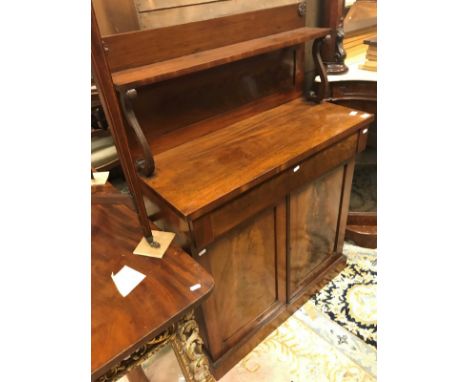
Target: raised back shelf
176,67
190,82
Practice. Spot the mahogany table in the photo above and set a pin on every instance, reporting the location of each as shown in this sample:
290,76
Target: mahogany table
128,330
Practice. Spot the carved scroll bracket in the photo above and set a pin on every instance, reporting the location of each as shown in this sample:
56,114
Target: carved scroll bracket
323,91
145,166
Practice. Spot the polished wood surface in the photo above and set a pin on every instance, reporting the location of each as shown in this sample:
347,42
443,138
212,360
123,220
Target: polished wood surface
207,59
269,193
325,274
232,160
246,262
135,49
312,230
229,93
110,103
233,146
359,95
362,228
119,324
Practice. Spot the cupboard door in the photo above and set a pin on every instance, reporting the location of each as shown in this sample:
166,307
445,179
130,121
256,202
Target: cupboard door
243,265
313,221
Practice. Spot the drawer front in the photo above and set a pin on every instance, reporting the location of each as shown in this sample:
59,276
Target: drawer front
214,224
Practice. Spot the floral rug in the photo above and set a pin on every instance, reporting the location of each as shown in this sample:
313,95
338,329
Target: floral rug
307,347
350,298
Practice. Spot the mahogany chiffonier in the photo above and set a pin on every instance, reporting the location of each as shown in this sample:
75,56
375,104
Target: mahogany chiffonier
253,177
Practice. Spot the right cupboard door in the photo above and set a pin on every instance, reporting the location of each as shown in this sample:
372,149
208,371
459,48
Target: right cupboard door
314,216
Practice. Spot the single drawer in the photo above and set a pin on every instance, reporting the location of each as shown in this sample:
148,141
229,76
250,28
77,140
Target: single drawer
219,221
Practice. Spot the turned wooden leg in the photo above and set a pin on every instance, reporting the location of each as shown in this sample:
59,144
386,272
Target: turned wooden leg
137,375
188,347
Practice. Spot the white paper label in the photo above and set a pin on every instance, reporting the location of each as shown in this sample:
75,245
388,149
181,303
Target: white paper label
127,279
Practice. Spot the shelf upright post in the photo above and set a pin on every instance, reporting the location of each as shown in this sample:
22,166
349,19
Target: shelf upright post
110,102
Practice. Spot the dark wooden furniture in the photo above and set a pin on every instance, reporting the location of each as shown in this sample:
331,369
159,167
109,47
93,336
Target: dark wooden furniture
360,95
333,53
126,331
355,89
253,178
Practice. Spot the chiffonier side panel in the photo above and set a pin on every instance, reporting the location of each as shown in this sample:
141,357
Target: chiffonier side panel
313,219
243,265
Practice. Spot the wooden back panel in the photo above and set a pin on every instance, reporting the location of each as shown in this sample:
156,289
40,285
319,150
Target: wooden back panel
132,49
175,111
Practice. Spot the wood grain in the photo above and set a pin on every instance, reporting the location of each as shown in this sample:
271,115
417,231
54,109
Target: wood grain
215,223
180,66
313,213
111,106
120,325
325,273
173,112
221,165
134,49
246,262
226,139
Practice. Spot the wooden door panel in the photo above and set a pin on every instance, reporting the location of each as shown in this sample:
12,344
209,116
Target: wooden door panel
243,264
313,219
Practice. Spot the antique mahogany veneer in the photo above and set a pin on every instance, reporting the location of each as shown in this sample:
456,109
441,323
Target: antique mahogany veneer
253,178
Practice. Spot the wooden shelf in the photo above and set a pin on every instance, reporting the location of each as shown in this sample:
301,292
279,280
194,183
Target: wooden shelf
176,67
225,163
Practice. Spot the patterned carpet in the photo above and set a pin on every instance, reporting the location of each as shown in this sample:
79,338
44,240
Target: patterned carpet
350,298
